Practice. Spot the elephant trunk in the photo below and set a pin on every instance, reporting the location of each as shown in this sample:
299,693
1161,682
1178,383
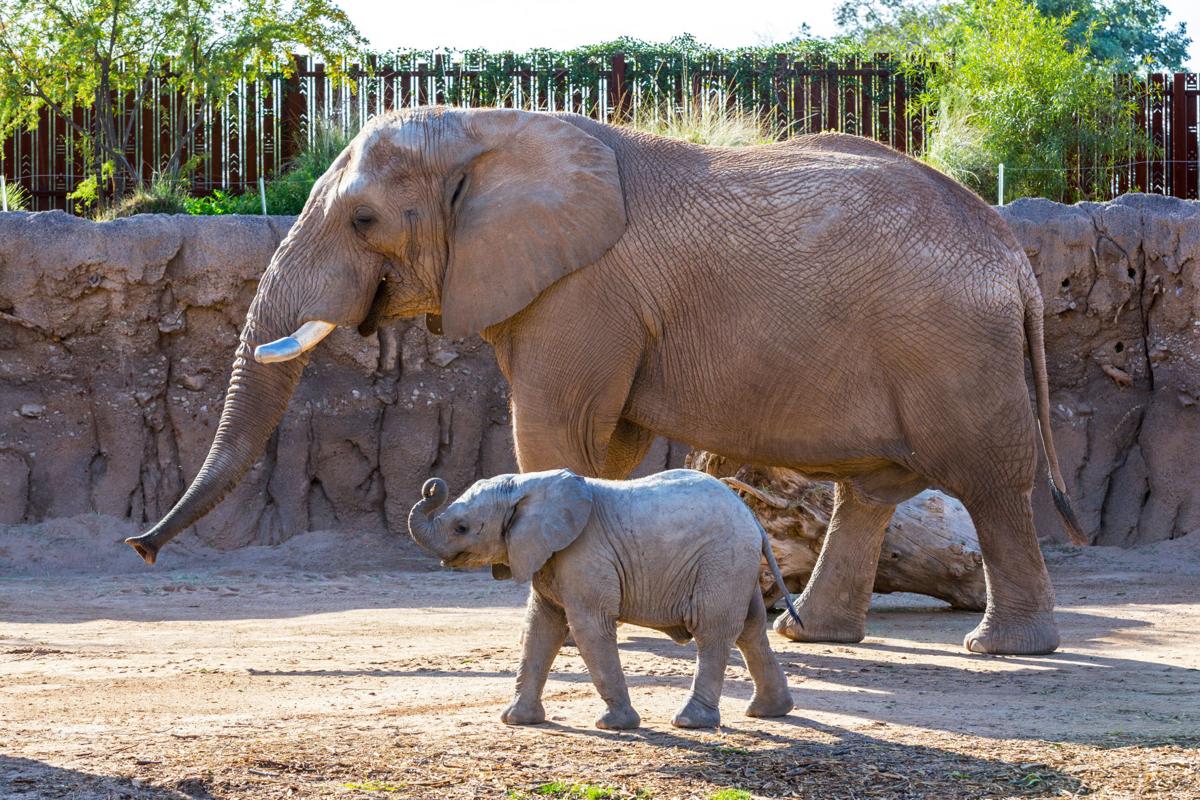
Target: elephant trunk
420,517
254,404
257,397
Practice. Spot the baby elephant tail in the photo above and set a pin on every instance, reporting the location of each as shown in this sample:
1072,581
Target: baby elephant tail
774,565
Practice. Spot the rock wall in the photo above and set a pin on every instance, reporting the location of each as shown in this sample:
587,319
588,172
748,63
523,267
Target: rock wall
1121,284
116,341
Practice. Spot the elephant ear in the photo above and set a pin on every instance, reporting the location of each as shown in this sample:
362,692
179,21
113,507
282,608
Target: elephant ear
550,511
541,199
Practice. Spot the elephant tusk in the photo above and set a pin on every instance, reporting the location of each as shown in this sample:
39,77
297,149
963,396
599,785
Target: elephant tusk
306,337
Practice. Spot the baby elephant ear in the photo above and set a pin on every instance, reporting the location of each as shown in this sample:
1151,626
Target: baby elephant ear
551,509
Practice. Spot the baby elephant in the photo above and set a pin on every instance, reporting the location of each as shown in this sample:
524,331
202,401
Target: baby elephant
677,552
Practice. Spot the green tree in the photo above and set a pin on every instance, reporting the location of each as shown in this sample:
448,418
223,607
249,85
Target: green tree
1009,89
1132,34
1129,34
59,54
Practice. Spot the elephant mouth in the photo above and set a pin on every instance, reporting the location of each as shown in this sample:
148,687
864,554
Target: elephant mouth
457,561
382,312
375,315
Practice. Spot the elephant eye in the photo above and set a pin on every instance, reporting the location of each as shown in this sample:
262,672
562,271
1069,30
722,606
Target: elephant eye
461,528
363,218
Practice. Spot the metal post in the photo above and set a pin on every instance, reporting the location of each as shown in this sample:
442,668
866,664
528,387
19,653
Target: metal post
262,194
3,194
1000,189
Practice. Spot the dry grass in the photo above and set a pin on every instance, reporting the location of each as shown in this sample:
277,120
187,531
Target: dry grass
570,763
709,124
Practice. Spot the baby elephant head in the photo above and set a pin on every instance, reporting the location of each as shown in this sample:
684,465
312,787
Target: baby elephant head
513,523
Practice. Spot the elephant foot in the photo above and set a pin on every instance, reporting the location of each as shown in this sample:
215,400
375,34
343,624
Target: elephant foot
523,714
696,714
619,719
820,625
1010,635
773,704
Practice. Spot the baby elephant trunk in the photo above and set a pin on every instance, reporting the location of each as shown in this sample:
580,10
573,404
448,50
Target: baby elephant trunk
420,517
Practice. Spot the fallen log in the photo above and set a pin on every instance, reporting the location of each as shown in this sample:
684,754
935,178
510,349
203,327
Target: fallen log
930,546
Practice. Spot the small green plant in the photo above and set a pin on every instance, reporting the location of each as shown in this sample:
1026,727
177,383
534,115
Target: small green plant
87,191
221,202
731,794
17,197
372,786
569,791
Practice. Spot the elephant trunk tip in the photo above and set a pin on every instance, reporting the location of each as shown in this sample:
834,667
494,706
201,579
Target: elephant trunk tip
145,546
434,488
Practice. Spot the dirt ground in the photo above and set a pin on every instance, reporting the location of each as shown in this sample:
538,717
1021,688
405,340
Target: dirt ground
352,666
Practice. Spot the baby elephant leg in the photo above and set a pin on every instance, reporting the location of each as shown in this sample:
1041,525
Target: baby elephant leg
545,631
703,706
596,638
772,698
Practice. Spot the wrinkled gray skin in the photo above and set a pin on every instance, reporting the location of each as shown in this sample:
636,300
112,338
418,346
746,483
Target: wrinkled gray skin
677,552
825,304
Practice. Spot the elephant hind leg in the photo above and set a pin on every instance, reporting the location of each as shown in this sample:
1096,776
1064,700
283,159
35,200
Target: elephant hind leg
1020,599
771,695
835,602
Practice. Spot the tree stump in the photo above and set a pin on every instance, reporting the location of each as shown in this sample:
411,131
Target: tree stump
930,546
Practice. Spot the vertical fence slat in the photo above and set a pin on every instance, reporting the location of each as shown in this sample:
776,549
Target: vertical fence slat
618,92
1192,123
1179,135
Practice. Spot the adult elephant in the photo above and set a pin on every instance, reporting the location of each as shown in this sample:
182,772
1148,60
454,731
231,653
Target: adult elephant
825,304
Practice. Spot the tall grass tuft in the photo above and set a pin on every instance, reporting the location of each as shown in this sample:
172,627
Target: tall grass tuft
164,195
18,197
703,123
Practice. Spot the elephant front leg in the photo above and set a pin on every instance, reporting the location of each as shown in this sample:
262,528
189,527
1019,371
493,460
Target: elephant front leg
545,632
596,638
835,602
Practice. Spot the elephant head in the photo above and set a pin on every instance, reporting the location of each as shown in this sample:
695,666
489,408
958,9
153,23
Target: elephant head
464,214
513,523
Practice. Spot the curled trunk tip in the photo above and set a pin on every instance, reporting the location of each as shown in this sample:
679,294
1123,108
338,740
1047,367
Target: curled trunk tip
434,490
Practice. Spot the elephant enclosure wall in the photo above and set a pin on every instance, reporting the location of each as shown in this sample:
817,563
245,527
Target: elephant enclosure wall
116,341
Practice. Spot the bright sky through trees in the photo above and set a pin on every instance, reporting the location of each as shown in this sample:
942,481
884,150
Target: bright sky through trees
524,24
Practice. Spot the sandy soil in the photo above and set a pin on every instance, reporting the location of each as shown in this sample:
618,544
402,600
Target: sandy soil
351,666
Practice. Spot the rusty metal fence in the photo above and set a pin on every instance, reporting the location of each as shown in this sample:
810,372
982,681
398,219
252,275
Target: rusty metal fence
255,130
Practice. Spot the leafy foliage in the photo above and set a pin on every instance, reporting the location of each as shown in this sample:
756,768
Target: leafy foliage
287,193
1128,34
1011,87
85,52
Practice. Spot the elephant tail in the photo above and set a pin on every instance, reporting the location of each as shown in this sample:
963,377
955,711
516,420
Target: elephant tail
774,565
1035,340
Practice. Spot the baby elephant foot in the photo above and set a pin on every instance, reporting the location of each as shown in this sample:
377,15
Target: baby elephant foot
696,714
619,719
770,705
523,714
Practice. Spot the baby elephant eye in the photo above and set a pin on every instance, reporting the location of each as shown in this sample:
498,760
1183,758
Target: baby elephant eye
461,528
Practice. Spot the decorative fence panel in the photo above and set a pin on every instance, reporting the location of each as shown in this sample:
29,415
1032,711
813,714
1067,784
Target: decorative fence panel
257,128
